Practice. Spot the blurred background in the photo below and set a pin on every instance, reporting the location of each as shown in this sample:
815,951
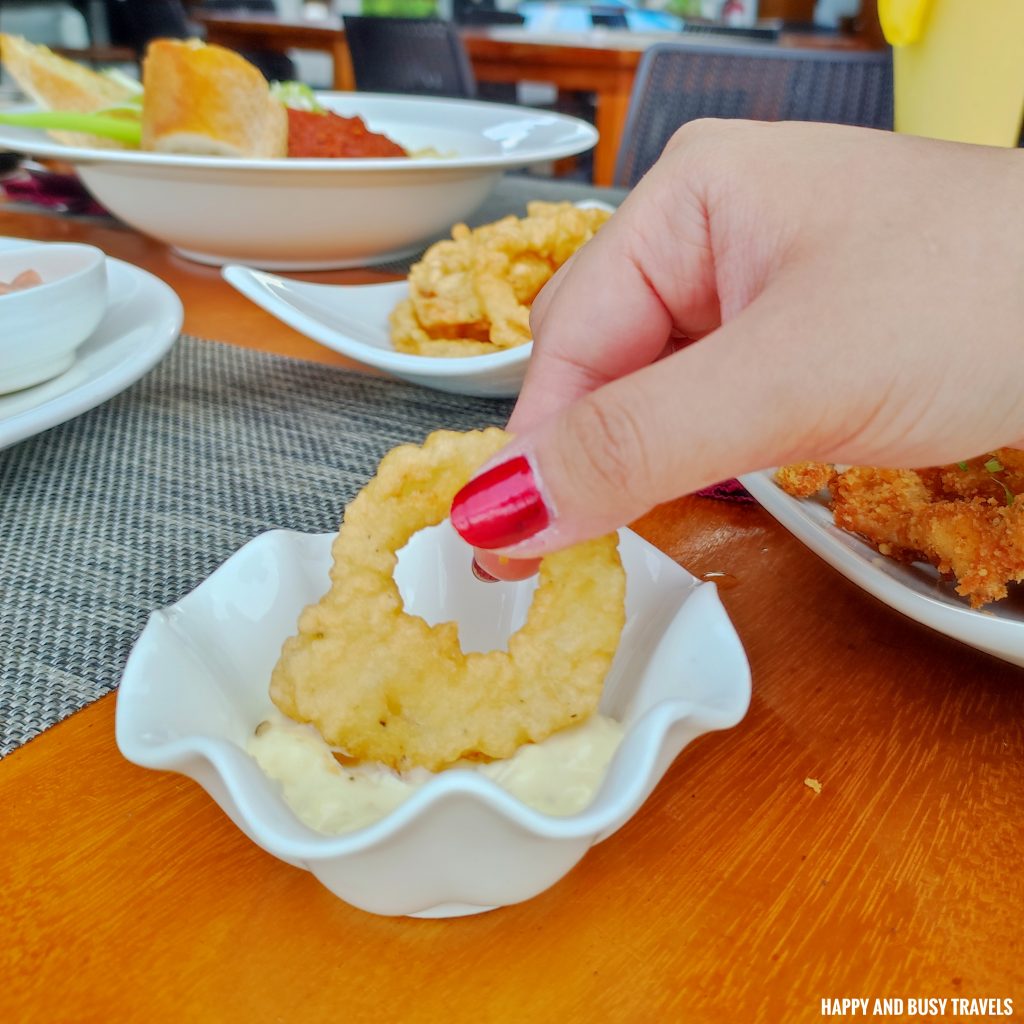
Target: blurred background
113,31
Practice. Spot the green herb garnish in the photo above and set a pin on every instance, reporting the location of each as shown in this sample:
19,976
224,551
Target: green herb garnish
296,95
993,465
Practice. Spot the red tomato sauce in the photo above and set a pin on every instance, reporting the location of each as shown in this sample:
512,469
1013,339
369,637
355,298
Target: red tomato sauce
331,135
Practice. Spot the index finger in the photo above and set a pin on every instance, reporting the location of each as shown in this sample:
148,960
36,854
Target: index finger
612,308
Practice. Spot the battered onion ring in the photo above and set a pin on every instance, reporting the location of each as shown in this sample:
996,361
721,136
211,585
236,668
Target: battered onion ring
384,686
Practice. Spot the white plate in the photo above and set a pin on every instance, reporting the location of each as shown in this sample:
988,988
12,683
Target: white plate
353,320
915,590
195,687
142,321
317,214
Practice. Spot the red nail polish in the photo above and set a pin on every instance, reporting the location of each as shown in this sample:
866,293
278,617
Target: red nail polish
500,507
482,574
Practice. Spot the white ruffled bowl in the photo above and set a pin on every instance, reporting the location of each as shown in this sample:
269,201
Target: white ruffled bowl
195,688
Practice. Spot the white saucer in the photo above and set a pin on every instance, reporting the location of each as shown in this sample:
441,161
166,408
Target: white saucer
142,321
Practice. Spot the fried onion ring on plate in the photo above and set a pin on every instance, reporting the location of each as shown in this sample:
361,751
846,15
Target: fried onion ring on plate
383,685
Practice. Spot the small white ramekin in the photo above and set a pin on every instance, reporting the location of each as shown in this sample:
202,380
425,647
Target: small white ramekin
42,326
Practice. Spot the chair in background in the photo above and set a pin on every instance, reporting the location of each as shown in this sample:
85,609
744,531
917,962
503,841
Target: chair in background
66,26
483,12
607,16
676,83
467,12
762,33
275,66
136,23
419,56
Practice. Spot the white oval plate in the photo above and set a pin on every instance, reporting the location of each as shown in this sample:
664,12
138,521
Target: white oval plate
142,321
195,687
915,590
353,320
306,214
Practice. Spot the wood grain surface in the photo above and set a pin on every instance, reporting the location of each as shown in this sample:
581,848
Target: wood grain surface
737,894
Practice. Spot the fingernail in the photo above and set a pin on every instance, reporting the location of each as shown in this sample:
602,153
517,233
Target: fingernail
482,574
500,507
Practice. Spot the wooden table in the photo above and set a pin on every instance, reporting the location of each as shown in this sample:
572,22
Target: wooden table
603,62
737,895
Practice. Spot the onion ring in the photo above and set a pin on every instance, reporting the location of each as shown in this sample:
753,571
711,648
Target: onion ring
383,685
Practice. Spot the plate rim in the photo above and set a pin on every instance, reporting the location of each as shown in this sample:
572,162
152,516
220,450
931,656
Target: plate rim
983,630
246,281
95,391
38,143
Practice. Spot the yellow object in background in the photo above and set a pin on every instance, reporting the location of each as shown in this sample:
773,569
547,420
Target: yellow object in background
958,67
903,20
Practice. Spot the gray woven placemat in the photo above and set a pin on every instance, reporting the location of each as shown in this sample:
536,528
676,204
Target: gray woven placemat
130,506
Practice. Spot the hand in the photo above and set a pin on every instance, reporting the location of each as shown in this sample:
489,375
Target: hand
768,293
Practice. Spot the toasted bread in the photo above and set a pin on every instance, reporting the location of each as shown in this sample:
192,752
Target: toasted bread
56,83
209,100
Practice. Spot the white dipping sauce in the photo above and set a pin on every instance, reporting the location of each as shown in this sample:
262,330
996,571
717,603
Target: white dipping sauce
558,776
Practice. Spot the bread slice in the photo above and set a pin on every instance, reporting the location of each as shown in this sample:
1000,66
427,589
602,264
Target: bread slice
208,100
56,83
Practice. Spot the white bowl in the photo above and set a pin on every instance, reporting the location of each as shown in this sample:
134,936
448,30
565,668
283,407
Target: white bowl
42,326
195,687
306,214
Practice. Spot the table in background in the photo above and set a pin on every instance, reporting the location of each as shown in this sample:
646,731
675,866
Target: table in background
602,61
737,894
240,31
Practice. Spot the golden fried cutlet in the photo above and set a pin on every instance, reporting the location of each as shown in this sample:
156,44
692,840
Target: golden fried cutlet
802,479
964,519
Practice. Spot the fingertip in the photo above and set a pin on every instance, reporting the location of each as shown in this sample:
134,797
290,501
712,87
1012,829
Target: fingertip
490,567
482,574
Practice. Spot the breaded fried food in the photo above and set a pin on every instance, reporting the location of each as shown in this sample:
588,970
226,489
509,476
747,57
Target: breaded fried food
416,340
56,83
383,685
802,479
992,476
963,518
476,288
206,99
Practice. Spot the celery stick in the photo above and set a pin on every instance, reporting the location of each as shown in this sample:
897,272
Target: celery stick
127,131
